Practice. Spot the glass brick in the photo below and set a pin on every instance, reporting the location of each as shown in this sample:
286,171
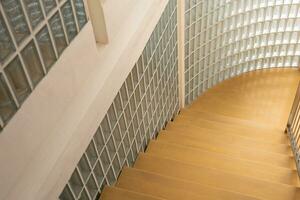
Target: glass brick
135,75
116,165
46,48
117,136
17,79
112,116
130,159
118,105
80,13
92,187
111,147
58,33
124,94
48,5
104,183
122,125
66,194
110,176
131,132
91,153
105,161
84,195
7,105
134,149
32,63
84,168
6,45
99,140
132,103
34,12
16,18
126,143
105,128
128,113
76,183
69,20
129,85
121,154
98,173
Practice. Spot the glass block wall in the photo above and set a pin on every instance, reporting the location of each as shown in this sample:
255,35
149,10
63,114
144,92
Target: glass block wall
147,100
33,34
224,38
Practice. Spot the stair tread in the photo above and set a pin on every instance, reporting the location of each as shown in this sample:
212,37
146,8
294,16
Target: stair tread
213,100
200,128
218,117
242,106
114,193
241,152
194,114
218,179
247,96
246,111
228,143
227,139
244,167
240,101
227,126
172,188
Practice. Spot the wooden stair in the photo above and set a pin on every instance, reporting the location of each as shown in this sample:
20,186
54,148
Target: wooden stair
229,144
114,193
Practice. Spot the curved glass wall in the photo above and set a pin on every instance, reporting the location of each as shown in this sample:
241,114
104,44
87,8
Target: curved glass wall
224,38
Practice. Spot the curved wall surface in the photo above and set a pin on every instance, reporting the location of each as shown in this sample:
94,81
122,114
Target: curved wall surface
226,38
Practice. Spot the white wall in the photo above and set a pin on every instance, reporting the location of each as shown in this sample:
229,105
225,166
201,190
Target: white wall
43,142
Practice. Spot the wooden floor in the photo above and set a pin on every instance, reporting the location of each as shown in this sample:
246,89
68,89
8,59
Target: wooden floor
229,144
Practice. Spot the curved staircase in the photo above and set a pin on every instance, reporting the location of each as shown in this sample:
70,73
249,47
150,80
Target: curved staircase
229,144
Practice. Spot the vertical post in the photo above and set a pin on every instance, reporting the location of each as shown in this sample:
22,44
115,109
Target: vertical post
181,21
294,106
98,21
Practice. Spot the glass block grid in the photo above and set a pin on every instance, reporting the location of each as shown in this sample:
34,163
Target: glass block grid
147,100
224,38
33,34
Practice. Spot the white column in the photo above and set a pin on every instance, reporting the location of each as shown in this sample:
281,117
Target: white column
180,21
